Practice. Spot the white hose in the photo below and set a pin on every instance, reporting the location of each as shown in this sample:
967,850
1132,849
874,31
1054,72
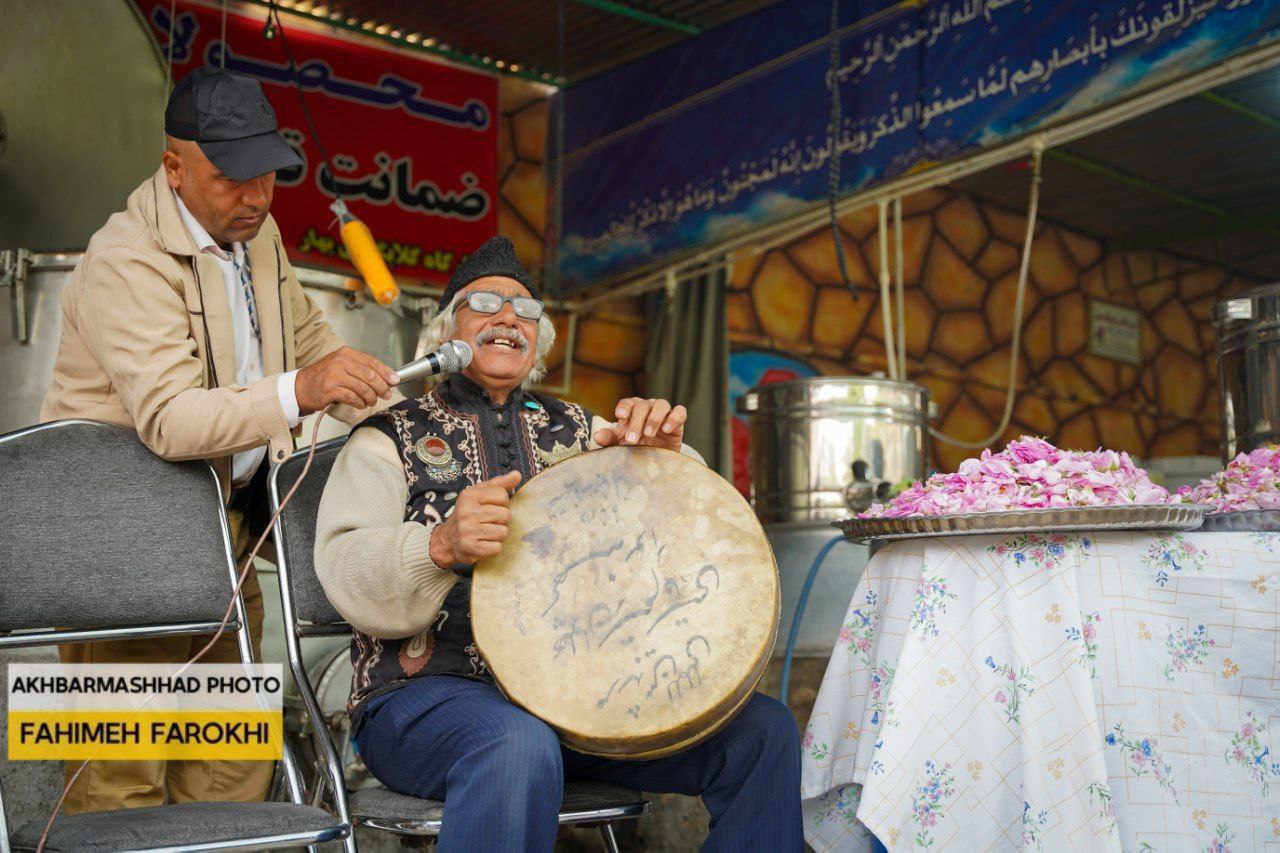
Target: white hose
886,300
1037,153
901,286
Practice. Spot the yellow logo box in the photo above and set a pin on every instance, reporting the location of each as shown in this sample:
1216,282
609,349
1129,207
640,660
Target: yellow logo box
130,735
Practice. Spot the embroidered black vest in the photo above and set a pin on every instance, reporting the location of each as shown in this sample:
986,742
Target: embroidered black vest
450,439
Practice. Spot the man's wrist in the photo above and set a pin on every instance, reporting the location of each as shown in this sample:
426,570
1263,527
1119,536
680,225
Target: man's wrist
438,550
286,388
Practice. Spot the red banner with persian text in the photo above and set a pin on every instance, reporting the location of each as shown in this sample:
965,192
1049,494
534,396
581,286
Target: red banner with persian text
414,142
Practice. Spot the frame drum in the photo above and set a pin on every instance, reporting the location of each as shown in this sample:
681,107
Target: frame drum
634,605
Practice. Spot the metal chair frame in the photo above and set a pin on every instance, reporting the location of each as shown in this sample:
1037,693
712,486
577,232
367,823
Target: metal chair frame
286,770
295,630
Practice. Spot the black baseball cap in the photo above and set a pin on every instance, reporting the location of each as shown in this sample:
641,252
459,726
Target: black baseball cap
229,117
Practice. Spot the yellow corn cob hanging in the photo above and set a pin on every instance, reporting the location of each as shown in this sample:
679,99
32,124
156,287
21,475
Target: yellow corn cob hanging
364,254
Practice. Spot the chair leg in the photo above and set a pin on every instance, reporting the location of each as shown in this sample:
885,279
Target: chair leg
607,836
293,784
278,792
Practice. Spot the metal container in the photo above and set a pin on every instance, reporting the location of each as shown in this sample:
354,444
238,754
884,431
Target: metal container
824,446
32,284
1242,521
1248,331
82,97
1174,472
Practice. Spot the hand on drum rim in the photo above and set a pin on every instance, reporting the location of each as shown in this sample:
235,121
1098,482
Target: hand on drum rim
645,423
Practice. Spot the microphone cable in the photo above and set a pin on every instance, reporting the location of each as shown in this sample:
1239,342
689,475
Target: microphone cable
226,617
363,250
384,291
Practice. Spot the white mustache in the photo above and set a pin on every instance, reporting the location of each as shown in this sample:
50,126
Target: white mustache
495,333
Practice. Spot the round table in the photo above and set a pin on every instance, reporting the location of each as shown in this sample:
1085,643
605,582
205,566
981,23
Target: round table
1054,691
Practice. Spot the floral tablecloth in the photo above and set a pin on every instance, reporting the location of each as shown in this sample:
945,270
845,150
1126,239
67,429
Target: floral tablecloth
1110,691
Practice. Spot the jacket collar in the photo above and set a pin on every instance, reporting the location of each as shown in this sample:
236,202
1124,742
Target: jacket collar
265,260
166,220
458,388
199,235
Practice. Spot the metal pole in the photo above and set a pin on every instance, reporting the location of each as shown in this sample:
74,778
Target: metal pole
625,11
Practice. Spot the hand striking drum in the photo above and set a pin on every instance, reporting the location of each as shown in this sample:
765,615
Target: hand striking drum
606,623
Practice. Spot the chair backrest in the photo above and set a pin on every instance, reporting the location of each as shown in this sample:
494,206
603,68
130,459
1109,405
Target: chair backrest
296,532
99,532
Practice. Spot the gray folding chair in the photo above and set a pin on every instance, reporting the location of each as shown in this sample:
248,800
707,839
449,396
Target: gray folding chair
106,541
307,613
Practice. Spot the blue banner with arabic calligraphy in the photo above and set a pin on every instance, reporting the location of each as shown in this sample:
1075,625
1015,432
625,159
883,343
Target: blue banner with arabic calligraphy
729,131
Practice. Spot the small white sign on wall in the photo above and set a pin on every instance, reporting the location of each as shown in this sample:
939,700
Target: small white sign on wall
1115,332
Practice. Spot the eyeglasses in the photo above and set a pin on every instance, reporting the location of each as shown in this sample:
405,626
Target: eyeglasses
487,302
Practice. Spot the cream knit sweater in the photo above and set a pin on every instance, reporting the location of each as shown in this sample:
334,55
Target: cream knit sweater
376,567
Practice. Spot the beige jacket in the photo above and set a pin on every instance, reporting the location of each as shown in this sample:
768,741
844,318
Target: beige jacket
147,340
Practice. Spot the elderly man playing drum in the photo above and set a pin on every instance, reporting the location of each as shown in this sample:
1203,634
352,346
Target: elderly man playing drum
419,494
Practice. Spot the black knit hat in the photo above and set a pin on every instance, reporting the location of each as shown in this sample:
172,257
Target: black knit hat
496,257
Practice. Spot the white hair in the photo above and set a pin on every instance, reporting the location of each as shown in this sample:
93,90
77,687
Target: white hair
444,326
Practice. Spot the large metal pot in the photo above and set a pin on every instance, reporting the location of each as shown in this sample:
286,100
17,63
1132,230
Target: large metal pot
1248,329
32,284
82,97
821,447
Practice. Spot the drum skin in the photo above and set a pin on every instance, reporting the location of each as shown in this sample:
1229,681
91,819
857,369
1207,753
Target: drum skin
634,605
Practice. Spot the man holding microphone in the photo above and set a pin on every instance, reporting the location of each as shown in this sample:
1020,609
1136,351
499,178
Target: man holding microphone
184,321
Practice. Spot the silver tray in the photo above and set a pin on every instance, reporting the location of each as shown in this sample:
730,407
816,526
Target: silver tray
1249,520
1125,517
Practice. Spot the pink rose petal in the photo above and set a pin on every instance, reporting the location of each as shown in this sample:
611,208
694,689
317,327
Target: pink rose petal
1029,474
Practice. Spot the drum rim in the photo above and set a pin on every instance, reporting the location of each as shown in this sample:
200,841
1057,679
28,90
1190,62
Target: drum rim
660,743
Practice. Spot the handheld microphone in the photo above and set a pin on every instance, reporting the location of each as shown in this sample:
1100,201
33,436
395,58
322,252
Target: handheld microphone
449,358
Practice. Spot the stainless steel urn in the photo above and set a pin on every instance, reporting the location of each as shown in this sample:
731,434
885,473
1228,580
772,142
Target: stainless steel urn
822,447
1248,333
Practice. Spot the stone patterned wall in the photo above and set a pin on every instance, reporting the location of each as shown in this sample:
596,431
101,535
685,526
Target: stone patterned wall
961,267
609,358
522,144
961,264
608,362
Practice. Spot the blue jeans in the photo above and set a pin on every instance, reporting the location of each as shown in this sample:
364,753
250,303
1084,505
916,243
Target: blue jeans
501,771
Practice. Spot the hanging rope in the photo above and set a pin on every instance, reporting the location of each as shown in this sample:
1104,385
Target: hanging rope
900,286
886,300
558,202
302,99
833,146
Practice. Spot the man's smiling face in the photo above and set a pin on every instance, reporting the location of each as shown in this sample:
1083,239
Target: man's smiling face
505,346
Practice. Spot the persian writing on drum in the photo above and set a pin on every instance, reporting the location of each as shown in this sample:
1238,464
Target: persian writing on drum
620,597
